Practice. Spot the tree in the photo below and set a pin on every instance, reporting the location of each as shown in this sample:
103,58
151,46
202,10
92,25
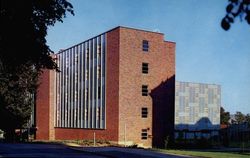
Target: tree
16,98
247,119
236,8
239,117
224,116
24,27
24,53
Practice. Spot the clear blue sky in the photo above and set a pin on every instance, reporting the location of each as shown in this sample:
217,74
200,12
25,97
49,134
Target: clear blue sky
204,52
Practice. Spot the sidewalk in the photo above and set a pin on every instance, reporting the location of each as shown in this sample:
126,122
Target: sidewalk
224,149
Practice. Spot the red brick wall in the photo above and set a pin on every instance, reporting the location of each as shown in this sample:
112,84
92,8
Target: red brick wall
112,96
161,67
163,101
42,106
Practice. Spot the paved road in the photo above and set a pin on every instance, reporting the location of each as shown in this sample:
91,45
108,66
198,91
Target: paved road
61,151
42,150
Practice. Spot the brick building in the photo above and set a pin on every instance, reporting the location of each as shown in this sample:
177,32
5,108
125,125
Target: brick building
119,85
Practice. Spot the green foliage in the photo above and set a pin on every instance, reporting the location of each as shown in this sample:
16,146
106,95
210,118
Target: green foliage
16,89
24,27
239,117
234,9
208,154
224,116
247,118
24,53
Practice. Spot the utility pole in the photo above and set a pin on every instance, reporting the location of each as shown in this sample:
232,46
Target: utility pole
125,134
94,140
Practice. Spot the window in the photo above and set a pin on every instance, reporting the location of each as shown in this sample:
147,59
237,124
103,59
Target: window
145,45
98,71
86,94
144,112
144,90
98,113
145,68
144,134
87,54
86,74
99,92
99,48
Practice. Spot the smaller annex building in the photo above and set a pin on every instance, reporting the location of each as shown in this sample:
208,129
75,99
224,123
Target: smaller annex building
197,110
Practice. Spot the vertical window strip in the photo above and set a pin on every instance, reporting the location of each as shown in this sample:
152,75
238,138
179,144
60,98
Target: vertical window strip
78,99
66,90
63,88
71,100
66,56
88,93
56,96
70,90
83,85
103,79
74,88
92,84
58,86
100,82
97,83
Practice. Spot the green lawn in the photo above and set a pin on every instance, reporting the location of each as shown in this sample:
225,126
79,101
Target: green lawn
206,154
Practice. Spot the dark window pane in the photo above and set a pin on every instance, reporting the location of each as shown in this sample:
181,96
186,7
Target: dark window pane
144,134
144,90
144,112
145,45
145,68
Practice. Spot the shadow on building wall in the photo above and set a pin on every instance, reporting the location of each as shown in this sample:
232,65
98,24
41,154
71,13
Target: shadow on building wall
203,123
202,134
163,97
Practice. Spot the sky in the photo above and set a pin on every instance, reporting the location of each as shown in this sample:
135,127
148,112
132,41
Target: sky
205,53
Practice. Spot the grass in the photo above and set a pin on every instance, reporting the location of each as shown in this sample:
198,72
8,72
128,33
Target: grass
206,154
77,142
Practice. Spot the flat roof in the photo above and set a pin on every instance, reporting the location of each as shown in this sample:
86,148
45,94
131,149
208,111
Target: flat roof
125,27
198,83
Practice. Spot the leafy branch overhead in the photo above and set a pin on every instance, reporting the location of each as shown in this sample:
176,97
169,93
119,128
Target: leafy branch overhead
236,8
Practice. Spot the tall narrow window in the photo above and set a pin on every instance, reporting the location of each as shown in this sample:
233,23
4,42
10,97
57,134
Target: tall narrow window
145,68
86,94
98,72
99,49
99,92
144,90
144,112
98,113
87,55
144,134
145,45
86,75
